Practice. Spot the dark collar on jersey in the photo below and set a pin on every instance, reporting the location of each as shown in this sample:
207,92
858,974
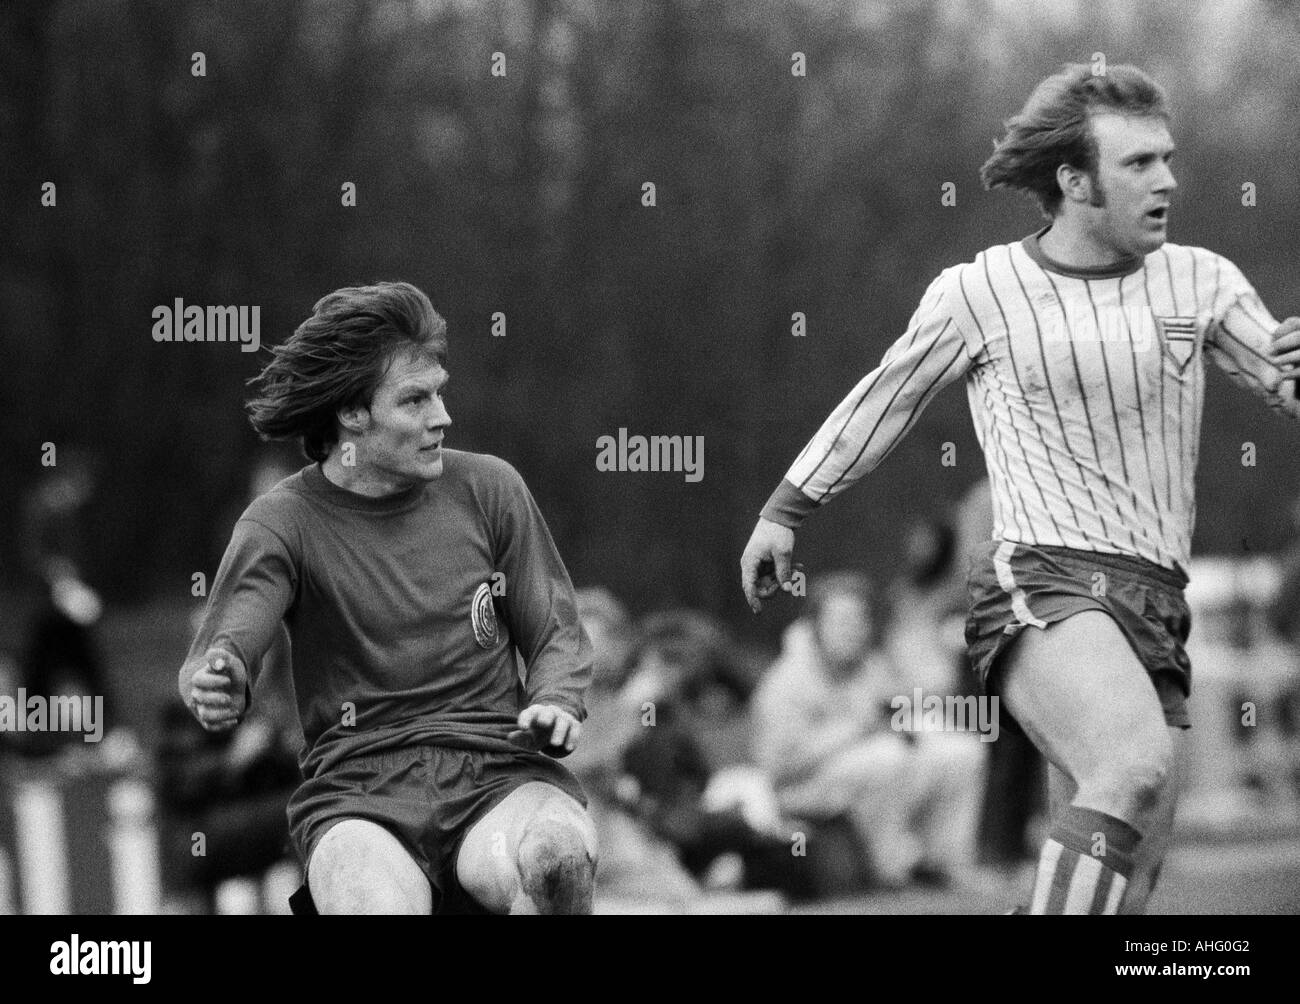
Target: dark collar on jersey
315,481
1123,267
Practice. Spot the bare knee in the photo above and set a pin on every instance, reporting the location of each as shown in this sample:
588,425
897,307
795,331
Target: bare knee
358,867
1131,782
557,867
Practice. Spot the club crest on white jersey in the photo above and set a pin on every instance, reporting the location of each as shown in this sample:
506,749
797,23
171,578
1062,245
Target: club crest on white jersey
1179,337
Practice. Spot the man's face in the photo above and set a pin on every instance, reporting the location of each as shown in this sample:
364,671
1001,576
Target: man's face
1129,211
844,629
400,440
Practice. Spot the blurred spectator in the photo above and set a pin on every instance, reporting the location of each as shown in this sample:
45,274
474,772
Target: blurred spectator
1284,615
610,724
61,658
689,655
822,729
686,773
634,864
925,637
1284,619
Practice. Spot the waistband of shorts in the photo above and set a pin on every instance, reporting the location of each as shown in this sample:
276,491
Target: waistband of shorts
393,756
1175,577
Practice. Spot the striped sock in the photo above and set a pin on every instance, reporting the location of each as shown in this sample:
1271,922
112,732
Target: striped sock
1085,864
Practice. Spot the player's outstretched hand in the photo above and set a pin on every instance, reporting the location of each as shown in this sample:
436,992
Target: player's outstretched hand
766,564
1286,348
548,729
216,696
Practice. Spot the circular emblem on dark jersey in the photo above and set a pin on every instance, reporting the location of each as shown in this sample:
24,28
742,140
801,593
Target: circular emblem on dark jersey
484,617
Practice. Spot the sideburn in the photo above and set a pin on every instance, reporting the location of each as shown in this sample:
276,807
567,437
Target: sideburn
1096,194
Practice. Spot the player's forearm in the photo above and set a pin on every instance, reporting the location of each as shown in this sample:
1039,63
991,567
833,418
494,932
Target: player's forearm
251,593
561,673
1242,344
543,613
1264,381
540,605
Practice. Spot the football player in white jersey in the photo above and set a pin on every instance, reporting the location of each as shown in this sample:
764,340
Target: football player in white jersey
1082,350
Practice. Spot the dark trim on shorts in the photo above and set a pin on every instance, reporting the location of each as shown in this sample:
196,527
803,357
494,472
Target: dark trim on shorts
1174,578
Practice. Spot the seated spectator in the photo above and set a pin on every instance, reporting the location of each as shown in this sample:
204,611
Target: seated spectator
635,865
685,772
822,729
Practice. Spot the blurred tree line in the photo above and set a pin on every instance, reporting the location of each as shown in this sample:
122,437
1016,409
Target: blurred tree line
522,194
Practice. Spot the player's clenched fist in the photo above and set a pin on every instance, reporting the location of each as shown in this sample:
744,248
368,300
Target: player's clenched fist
547,728
765,565
216,695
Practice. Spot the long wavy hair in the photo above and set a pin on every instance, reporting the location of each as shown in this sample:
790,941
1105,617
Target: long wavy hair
337,357
1053,128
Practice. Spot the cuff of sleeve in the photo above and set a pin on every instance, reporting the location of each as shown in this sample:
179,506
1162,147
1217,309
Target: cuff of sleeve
788,505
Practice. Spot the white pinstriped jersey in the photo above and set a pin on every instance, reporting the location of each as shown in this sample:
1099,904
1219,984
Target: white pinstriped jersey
1085,384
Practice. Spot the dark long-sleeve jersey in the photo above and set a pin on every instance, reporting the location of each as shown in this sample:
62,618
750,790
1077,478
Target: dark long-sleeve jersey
404,612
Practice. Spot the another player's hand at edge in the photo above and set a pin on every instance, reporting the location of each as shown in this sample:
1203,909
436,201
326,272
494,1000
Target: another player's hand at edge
767,562
548,729
1286,348
217,691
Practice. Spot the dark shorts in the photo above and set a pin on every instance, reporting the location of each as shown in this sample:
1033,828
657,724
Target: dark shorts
426,796
1015,586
